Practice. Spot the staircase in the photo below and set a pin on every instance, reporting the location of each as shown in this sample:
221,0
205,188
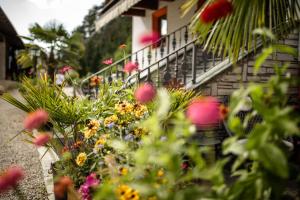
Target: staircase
175,59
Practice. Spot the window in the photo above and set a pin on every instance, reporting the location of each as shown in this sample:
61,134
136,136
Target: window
159,21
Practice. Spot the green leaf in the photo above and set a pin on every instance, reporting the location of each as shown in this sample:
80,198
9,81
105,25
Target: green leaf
273,159
262,57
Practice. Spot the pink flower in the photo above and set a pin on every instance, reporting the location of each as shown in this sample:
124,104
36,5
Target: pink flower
65,69
90,181
108,61
216,11
145,93
204,112
149,38
41,139
130,67
11,177
35,119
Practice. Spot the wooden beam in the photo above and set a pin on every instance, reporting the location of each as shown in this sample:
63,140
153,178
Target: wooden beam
147,4
135,12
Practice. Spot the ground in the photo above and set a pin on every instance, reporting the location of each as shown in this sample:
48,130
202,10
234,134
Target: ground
20,153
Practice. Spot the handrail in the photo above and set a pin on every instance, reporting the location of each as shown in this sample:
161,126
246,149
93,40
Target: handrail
157,42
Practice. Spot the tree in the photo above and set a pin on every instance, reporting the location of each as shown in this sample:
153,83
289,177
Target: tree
54,45
102,44
233,34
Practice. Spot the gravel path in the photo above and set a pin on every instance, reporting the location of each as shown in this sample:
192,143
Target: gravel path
20,153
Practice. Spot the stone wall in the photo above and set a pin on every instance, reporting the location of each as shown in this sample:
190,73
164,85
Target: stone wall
242,73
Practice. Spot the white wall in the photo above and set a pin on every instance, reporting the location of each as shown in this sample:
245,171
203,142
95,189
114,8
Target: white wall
142,25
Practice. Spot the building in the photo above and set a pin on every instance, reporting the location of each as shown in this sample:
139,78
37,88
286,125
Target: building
10,42
177,57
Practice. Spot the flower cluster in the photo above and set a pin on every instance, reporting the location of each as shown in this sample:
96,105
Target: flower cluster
111,120
123,107
139,110
124,192
91,129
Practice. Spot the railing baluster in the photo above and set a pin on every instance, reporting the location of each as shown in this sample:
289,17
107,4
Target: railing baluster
194,64
186,35
174,41
149,76
149,55
143,59
158,75
183,66
176,66
168,43
162,50
167,76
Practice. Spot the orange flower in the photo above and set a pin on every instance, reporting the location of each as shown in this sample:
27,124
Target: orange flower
122,46
223,111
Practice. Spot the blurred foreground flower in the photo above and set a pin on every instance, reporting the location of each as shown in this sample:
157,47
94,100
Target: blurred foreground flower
90,182
149,38
216,11
65,69
41,139
145,93
61,186
108,61
124,192
223,111
204,112
35,119
130,67
10,178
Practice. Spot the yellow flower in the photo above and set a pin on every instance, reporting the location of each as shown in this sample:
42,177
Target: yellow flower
110,119
160,173
81,158
126,193
88,133
139,110
124,107
94,124
123,189
100,141
133,195
123,171
139,132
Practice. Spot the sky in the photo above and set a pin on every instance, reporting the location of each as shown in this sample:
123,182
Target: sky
22,13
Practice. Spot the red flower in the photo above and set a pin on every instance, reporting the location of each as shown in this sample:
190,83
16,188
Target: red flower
130,66
145,93
11,177
35,119
149,38
122,46
41,139
216,11
65,69
204,112
223,111
108,61
185,165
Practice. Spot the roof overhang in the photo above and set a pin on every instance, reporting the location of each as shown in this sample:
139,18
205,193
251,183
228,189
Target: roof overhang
114,11
7,29
115,8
